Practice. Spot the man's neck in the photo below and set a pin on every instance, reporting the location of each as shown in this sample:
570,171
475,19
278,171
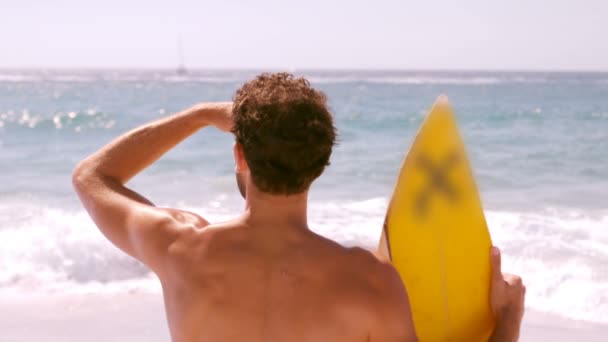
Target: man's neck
267,212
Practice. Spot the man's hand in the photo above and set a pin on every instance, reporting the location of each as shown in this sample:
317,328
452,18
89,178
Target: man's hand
507,301
220,116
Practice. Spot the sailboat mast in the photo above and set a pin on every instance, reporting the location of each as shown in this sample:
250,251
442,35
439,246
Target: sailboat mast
181,69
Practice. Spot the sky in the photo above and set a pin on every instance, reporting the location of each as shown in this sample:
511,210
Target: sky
311,34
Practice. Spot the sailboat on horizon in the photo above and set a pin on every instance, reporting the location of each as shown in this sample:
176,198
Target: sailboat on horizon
181,68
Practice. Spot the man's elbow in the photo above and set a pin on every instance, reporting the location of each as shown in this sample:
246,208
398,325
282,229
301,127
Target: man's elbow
81,175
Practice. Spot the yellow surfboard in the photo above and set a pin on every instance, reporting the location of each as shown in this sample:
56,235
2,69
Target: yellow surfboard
436,235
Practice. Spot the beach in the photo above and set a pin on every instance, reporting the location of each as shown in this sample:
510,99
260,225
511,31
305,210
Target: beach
537,143
140,317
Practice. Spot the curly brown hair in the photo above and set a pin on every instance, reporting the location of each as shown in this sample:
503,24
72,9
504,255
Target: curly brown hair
286,131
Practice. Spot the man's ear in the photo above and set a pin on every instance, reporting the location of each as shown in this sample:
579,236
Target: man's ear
239,158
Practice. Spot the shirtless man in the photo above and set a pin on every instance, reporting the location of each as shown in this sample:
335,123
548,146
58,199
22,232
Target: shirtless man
264,276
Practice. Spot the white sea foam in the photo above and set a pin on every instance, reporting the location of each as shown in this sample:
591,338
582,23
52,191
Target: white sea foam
77,121
562,256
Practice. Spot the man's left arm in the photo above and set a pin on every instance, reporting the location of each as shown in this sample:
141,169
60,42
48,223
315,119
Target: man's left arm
126,218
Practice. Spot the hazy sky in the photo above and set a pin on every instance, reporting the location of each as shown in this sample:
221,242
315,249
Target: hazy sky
372,34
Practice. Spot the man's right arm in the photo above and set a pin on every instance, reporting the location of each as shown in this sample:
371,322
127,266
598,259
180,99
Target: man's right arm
507,330
507,301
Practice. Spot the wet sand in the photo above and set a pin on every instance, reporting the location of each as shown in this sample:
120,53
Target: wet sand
140,317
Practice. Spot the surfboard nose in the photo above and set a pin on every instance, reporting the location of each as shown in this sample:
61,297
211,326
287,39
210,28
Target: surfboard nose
442,99
441,107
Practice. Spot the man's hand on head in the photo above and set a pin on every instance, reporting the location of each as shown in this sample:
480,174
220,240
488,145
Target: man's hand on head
217,114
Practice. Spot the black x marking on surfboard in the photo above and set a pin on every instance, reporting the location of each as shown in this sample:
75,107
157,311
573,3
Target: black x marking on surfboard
438,182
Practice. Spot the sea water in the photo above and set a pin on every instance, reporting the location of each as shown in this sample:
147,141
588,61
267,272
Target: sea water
538,144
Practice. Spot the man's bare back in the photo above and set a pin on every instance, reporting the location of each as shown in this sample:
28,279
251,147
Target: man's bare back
233,282
264,276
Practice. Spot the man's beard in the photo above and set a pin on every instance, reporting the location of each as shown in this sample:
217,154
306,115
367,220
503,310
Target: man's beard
240,182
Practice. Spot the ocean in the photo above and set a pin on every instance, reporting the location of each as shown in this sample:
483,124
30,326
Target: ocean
537,141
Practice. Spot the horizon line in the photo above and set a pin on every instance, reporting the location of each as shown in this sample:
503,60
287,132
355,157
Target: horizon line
306,69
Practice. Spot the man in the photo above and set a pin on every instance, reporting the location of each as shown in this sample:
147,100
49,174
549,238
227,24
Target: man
264,276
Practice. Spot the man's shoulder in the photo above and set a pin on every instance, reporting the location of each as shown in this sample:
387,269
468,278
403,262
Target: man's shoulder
362,268
187,225
372,267
360,260
379,290
368,284
183,219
